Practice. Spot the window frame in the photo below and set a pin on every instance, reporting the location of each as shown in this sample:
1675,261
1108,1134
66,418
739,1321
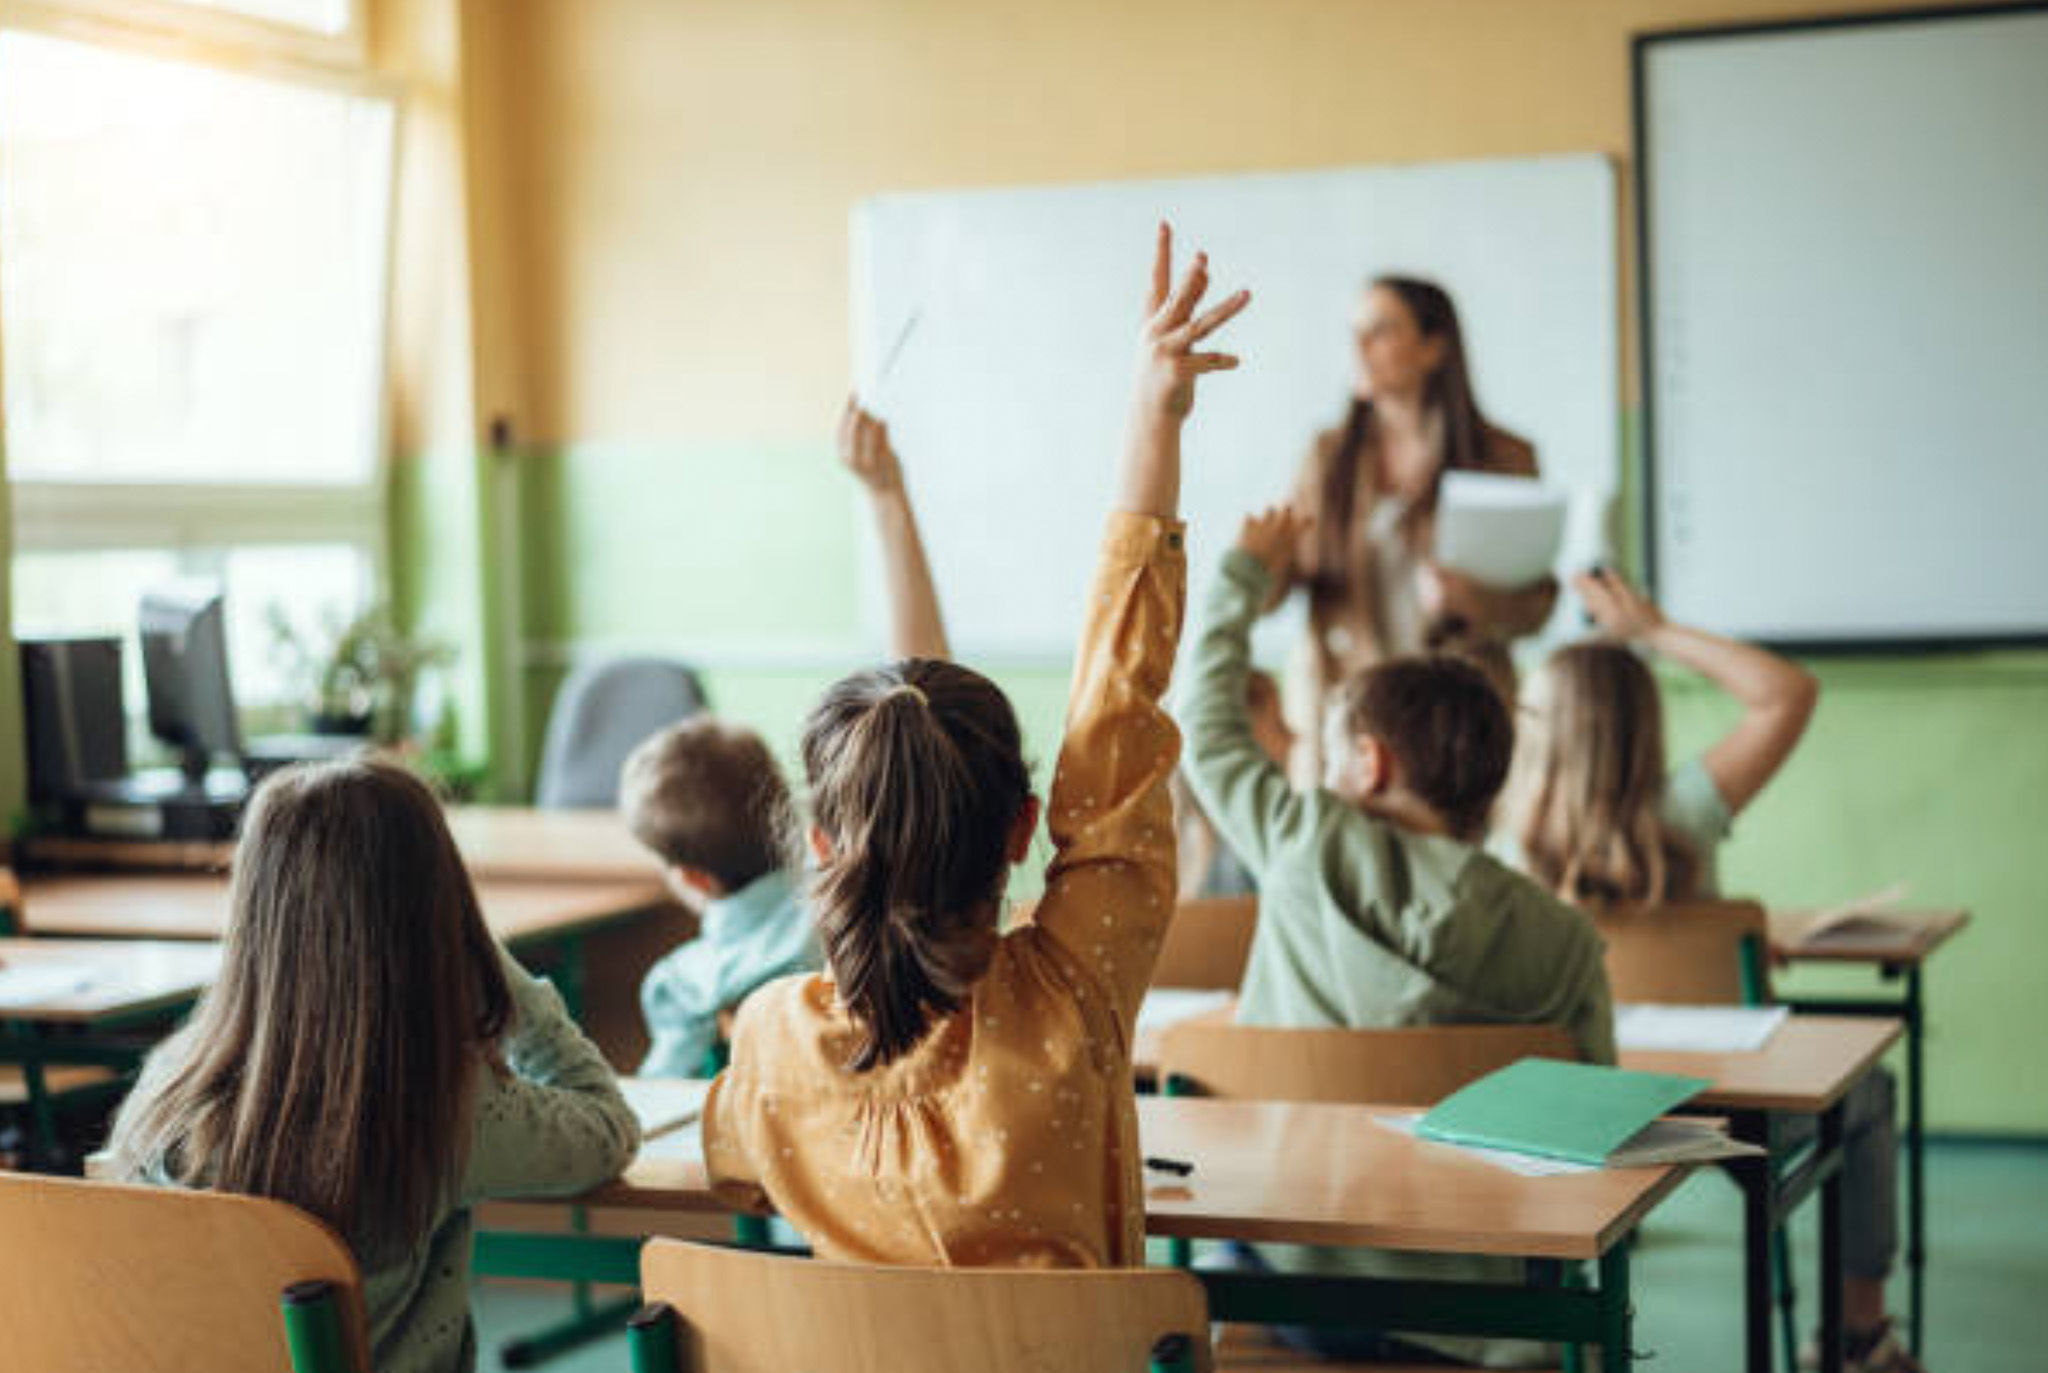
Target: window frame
187,517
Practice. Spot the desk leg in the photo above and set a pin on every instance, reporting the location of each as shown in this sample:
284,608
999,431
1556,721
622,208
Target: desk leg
1617,1312
1755,1176
1916,1158
1831,1343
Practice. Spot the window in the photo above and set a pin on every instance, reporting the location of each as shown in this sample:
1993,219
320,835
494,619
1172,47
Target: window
193,282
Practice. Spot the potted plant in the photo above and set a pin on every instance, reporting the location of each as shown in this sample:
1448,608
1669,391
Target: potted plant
362,680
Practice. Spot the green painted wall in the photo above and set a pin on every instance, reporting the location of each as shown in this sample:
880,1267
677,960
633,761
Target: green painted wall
1933,771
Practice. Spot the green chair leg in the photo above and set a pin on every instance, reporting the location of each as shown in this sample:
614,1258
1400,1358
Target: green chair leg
1173,1354
1788,1300
651,1339
312,1329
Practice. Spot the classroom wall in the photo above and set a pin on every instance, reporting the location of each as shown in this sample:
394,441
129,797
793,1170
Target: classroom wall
674,238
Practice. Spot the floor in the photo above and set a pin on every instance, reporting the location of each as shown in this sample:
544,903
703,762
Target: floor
1987,1279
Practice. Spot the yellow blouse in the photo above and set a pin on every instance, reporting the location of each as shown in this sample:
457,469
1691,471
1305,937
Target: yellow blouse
1008,1136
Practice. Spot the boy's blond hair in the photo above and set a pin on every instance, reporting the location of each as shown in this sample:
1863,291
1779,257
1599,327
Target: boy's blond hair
707,794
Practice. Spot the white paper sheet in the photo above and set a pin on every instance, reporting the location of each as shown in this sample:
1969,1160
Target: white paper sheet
1500,531
1697,1029
684,1144
664,1104
1527,1165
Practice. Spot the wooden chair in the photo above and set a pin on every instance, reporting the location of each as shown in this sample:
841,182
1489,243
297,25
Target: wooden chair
1411,1066
715,1310
95,1276
1690,953
1208,943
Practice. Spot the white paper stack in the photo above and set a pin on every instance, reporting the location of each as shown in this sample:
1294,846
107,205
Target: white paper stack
1697,1029
1499,531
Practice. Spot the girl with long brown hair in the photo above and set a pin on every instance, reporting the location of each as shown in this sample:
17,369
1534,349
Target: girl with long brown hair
371,1056
1595,813
946,1092
1594,809
1369,486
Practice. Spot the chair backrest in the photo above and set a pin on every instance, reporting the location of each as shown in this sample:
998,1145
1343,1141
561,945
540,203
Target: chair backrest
745,1312
95,1276
1693,953
600,715
1208,943
1411,1066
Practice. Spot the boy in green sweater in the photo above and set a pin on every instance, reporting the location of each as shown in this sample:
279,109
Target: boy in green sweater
1377,905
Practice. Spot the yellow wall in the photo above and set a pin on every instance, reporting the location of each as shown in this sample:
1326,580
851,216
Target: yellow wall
686,169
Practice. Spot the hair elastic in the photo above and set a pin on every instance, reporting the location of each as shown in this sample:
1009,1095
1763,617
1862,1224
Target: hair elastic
908,689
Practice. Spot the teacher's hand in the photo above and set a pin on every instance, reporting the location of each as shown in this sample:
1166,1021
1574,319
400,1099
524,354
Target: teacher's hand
1449,596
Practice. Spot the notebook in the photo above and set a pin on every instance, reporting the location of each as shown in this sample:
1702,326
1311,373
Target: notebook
1571,1111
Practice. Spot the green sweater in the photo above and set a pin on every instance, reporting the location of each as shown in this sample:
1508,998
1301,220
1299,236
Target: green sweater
550,1122
1363,924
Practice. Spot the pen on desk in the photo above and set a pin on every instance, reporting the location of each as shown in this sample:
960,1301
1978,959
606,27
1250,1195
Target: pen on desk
1180,1168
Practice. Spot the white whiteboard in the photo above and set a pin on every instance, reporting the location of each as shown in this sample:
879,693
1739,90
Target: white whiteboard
1008,400
1847,318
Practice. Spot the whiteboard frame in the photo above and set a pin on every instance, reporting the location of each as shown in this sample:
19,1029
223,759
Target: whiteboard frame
1641,46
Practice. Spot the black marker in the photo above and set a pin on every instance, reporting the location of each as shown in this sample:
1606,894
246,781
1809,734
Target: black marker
1180,1168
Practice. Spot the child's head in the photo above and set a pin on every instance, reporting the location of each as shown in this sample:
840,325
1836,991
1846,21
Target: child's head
920,802
707,797
331,1064
1589,780
1425,732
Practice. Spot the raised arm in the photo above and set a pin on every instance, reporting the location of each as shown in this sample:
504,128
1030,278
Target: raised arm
1111,885
916,629
1245,793
1777,697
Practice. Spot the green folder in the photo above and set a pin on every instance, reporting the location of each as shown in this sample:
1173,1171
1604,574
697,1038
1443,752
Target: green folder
1573,1111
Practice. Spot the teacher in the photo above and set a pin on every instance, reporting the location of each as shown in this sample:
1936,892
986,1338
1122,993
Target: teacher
1370,484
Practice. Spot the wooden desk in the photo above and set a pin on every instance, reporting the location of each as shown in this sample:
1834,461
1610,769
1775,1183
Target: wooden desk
1807,1069
195,906
517,842
521,842
1896,948
120,983
1313,1174
1809,1066
129,979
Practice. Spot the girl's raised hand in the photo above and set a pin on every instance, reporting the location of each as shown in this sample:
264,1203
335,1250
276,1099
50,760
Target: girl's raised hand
1615,606
865,449
1166,383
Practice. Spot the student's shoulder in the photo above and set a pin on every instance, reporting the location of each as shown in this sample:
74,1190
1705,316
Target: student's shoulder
1487,883
792,1019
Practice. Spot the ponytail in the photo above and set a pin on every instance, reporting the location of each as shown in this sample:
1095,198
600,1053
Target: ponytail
917,776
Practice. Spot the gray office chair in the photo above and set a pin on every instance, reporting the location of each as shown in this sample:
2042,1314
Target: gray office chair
602,711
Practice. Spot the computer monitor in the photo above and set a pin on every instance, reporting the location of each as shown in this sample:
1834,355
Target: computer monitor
185,668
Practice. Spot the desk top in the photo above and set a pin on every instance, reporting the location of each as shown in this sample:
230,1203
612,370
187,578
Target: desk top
1310,1174
195,905
550,845
513,842
113,978
1809,1064
1900,938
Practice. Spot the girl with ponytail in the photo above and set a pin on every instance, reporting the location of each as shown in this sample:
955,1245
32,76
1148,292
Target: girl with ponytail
946,1092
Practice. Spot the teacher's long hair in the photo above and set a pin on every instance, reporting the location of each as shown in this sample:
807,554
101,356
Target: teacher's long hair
1448,396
